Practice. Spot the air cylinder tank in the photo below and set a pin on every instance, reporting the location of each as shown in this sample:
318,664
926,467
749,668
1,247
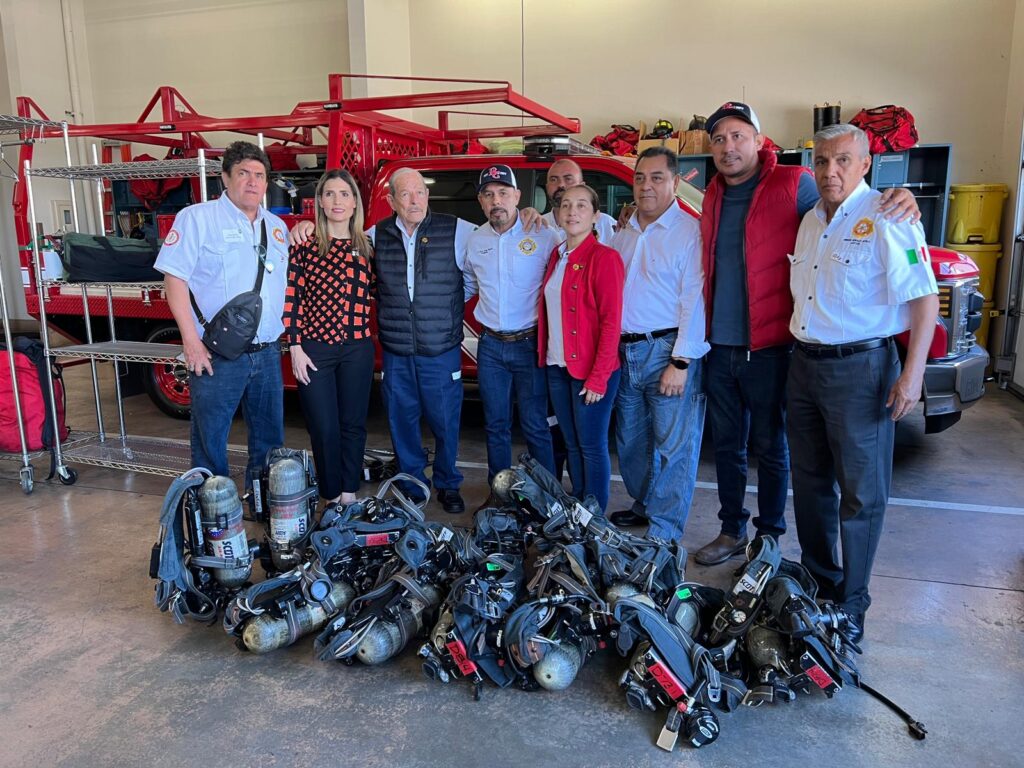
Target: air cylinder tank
289,521
224,531
266,632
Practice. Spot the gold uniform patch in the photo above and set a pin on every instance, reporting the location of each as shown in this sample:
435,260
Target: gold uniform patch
528,246
863,228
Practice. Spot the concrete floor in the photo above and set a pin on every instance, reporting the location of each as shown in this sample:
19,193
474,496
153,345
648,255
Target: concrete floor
91,674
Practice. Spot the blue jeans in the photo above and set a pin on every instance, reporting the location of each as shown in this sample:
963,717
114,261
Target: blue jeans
658,437
254,381
585,429
415,386
747,405
504,368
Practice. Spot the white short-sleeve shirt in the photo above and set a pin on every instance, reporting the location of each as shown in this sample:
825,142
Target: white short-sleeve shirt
212,247
852,277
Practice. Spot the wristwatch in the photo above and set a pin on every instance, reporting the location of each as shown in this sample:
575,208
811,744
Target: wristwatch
678,362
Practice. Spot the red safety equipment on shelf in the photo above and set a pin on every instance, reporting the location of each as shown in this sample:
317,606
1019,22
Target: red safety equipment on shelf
889,128
30,371
621,140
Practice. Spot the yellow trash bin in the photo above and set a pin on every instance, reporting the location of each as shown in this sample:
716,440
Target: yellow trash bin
975,213
987,258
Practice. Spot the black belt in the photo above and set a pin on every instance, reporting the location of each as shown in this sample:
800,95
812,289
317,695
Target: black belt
632,338
527,333
840,350
258,347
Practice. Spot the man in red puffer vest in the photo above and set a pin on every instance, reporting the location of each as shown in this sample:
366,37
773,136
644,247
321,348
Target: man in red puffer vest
751,214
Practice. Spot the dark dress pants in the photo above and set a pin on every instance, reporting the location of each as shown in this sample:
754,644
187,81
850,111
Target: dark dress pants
841,441
335,403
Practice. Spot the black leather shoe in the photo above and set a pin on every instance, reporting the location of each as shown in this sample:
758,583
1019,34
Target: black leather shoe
721,549
626,518
451,501
855,629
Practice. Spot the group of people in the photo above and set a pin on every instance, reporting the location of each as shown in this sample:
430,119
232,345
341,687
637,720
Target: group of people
775,312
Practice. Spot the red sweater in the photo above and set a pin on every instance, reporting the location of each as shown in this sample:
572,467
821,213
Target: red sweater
591,313
770,234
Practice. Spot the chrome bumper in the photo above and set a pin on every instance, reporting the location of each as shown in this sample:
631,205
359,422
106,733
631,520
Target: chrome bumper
953,385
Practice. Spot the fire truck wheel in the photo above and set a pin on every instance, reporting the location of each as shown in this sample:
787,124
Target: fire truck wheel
167,383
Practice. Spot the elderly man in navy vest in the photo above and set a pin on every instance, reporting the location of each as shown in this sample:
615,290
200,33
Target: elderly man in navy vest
418,256
752,209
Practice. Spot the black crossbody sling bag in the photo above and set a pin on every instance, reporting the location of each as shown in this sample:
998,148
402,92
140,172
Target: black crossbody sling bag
230,332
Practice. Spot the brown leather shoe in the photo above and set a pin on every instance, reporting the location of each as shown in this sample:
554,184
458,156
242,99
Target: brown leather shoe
720,550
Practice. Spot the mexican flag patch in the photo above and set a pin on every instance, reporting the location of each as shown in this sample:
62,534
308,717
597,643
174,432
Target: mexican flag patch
918,255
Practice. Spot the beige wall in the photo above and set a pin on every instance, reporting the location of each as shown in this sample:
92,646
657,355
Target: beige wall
958,65
226,57
607,61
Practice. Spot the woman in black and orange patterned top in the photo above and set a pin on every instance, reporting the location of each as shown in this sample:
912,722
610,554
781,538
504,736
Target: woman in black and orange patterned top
327,322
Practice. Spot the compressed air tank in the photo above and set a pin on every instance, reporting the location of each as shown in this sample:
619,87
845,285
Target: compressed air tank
621,589
267,633
289,521
384,639
559,667
687,617
503,482
224,531
766,647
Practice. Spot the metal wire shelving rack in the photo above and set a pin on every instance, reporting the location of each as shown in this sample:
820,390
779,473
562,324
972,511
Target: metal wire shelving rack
153,455
26,129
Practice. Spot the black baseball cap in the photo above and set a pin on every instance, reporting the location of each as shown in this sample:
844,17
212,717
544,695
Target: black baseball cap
733,109
496,174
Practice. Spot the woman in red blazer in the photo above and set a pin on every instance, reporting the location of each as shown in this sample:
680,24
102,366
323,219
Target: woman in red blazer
579,323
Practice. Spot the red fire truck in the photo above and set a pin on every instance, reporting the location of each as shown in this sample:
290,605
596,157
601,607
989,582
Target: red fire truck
361,135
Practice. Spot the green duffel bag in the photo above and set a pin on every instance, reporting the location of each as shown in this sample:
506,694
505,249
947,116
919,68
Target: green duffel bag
90,258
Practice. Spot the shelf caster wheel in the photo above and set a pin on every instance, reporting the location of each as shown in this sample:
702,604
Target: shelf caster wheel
66,475
27,481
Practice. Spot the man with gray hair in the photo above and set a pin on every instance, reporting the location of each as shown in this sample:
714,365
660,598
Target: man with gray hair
857,280
418,256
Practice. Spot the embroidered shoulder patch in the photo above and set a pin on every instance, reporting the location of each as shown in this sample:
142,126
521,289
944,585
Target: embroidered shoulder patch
863,228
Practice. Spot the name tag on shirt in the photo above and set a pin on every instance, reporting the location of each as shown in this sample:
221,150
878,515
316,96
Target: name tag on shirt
233,236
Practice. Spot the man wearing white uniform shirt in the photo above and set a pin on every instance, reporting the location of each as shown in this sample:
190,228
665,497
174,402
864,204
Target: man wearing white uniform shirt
214,252
857,280
659,409
505,266
562,175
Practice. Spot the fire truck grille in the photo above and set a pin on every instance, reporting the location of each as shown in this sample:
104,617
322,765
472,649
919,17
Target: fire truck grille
945,300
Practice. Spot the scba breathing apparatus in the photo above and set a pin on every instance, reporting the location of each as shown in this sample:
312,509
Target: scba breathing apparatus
203,555
343,556
523,598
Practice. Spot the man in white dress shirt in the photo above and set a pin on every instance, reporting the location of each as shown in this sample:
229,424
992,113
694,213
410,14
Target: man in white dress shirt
857,280
505,266
659,409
